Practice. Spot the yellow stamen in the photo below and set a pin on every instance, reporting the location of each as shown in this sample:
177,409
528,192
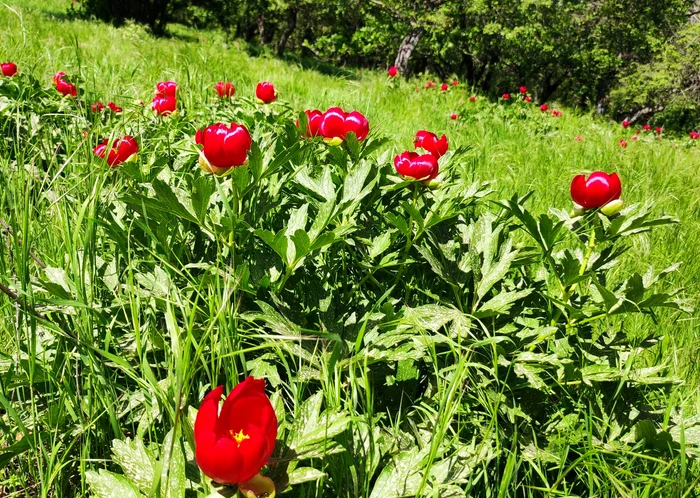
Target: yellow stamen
239,437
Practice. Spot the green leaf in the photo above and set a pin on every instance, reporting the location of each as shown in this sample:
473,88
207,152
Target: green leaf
136,462
105,484
305,474
168,201
172,479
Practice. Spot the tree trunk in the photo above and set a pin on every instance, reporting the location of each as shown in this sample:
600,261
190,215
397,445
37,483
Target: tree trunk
408,45
291,26
260,20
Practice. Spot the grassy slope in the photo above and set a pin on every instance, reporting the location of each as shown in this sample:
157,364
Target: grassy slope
123,65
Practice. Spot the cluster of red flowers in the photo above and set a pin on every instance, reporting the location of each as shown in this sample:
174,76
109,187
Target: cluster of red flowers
165,100
8,69
423,167
63,85
98,107
334,125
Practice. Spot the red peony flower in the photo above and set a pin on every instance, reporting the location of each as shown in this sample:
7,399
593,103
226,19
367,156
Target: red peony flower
444,87
336,124
97,107
455,82
625,124
266,92
528,98
166,89
506,96
225,89
223,147
114,108
63,86
8,69
544,107
393,71
523,90
694,135
234,444
635,138
419,167
454,117
578,138
657,129
313,123
430,143
121,151
556,113
623,143
646,127
429,84
472,98
164,105
596,191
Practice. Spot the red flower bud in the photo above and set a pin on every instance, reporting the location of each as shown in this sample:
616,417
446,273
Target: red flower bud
544,107
578,138
8,68
429,84
164,105
393,71
694,135
63,86
472,98
506,96
166,89
646,127
225,89
454,117
313,123
233,445
635,138
97,107
556,113
114,108
528,98
657,129
596,191
336,123
623,143
625,124
523,89
455,82
223,147
120,151
420,167
266,92
444,87
430,143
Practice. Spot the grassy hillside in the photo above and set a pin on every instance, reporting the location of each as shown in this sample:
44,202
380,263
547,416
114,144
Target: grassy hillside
57,202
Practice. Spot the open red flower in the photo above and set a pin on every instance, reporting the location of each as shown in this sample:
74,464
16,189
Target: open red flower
544,107
8,68
625,124
336,124
444,87
393,71
225,89
233,445
63,86
166,89
596,191
419,167
430,143
523,90
266,92
97,107
114,107
313,122
164,105
694,135
223,147
121,151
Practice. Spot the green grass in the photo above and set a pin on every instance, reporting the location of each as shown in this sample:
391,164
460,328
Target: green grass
56,209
